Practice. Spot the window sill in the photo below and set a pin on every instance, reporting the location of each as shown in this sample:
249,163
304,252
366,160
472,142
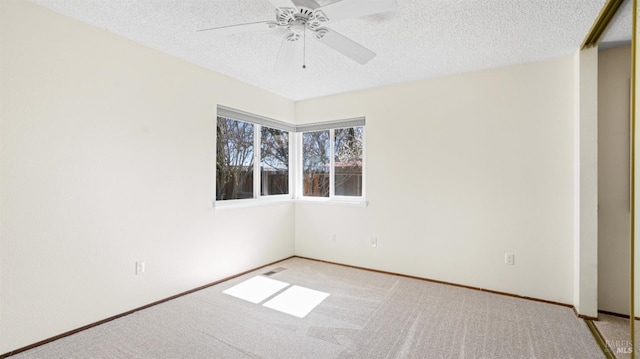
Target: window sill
252,202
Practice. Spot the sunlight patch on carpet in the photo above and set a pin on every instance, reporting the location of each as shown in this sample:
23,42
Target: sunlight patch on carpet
297,301
256,289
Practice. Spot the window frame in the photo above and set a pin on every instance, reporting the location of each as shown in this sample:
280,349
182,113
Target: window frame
258,164
258,123
295,152
331,126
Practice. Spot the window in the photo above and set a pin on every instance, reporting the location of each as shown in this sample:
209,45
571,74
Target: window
248,144
333,159
234,165
274,161
255,156
348,161
316,163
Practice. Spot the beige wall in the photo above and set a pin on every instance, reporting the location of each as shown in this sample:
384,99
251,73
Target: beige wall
614,74
107,157
585,182
459,171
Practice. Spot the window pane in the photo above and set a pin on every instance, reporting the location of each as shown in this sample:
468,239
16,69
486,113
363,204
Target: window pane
315,163
274,162
234,167
348,161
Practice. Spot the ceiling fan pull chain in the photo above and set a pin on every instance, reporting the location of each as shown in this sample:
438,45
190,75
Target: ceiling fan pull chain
304,48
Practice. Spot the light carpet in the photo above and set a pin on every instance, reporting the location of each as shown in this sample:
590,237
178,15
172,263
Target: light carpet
615,332
366,315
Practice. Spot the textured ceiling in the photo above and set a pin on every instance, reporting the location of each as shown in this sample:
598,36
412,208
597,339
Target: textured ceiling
422,39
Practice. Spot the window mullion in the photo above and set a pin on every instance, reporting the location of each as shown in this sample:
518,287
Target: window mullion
364,162
256,161
300,164
332,163
295,155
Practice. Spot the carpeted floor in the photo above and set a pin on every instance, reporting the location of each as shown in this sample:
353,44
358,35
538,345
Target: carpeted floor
615,332
366,315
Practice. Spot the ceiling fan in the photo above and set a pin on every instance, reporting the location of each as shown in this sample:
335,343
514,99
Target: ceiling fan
300,16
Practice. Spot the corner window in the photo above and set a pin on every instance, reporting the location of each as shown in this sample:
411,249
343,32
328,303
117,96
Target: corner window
252,158
258,158
333,159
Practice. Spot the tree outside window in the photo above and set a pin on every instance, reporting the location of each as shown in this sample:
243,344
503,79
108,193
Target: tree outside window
346,168
274,161
236,160
253,157
234,165
315,163
348,161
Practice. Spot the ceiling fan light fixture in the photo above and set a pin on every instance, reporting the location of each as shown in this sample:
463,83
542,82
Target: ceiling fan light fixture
298,27
296,16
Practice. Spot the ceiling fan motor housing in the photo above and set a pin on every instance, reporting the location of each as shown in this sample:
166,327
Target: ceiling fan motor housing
299,18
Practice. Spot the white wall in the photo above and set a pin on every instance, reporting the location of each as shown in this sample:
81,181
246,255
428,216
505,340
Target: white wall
614,73
460,170
107,156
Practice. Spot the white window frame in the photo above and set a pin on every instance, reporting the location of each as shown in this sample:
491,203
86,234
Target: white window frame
331,126
258,122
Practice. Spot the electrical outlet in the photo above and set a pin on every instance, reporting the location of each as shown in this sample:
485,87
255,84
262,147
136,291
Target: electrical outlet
374,242
509,259
139,267
334,237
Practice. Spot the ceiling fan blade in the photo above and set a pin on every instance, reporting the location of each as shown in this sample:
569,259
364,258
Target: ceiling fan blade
282,3
286,54
238,29
346,9
346,46
311,4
